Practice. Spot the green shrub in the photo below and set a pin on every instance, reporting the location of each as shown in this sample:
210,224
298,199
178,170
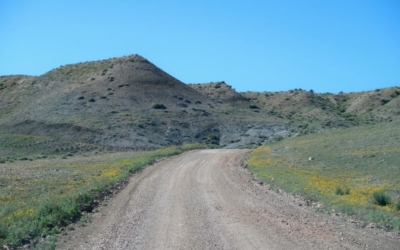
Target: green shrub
340,191
92,100
398,205
213,137
253,107
158,106
384,101
395,94
55,212
81,98
381,199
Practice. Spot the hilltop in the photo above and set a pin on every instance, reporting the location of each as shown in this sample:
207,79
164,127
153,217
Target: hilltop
128,103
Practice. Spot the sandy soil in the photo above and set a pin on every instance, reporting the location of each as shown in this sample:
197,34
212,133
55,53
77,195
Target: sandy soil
206,200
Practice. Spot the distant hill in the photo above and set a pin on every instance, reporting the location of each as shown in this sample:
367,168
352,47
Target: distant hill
128,103
310,111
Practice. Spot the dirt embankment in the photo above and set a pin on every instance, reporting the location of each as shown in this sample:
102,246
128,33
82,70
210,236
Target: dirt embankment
205,200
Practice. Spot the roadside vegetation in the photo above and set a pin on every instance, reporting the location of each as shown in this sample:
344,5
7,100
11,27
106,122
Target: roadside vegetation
38,199
354,171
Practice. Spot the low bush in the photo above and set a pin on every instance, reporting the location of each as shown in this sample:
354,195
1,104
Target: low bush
253,107
381,199
384,101
158,106
339,191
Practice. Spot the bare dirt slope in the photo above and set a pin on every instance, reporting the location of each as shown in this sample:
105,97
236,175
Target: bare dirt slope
206,200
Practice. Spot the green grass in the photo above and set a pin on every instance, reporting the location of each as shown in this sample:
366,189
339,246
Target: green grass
39,197
355,170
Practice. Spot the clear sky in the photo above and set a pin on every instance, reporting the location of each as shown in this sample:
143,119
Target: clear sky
256,45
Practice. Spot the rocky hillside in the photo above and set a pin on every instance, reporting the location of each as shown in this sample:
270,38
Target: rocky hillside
128,103
122,103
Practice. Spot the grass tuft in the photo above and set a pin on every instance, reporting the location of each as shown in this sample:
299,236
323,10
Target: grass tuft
340,191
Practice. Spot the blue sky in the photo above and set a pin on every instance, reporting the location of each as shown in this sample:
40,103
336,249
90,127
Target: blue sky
259,45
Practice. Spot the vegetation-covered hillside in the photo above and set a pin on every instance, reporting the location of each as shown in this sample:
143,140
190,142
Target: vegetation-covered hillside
352,170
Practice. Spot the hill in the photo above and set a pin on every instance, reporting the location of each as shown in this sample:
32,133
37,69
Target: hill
118,104
128,103
312,112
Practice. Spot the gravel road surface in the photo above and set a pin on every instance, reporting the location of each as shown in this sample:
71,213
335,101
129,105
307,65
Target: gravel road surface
206,200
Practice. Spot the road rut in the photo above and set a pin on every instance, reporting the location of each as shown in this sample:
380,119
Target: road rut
206,200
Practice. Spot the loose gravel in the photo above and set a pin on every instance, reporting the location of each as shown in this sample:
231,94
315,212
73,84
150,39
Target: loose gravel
206,199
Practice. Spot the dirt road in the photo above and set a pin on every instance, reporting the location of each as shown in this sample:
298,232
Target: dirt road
206,200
